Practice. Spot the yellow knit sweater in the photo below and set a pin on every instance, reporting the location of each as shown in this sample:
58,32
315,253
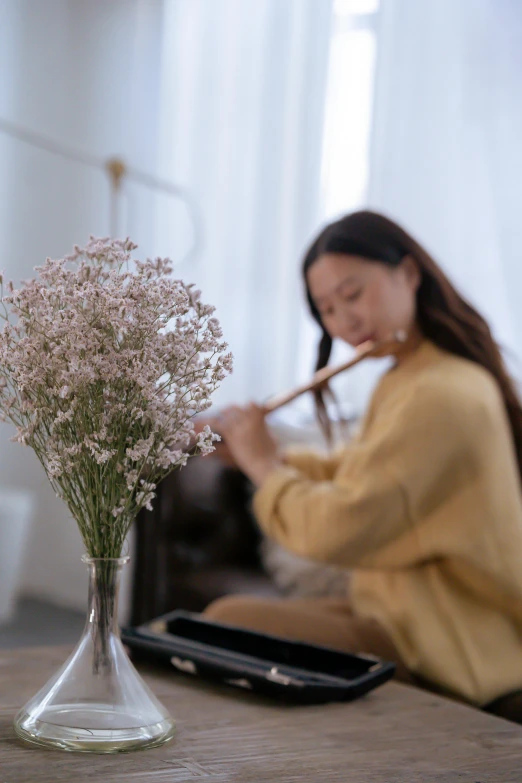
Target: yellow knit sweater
426,507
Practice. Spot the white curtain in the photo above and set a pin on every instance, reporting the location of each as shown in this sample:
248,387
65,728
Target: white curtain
446,158
242,96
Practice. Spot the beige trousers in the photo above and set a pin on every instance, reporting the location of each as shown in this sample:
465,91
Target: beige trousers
328,621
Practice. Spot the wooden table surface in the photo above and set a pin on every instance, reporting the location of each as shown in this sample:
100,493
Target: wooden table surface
395,735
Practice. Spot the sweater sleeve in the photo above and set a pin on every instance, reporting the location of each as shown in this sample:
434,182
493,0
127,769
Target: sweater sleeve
414,457
318,467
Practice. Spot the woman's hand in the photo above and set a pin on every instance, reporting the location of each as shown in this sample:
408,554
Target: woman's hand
248,440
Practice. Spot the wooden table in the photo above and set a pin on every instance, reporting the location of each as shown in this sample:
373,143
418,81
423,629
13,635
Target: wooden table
395,735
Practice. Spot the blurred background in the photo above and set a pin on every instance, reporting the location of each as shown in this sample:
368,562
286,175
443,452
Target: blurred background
243,125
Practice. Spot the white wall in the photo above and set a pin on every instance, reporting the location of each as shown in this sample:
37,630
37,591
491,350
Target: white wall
84,72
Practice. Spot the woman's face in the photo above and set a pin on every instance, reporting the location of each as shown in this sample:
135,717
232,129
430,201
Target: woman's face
361,300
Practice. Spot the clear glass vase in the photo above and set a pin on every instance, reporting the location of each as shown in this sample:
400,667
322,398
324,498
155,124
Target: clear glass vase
97,701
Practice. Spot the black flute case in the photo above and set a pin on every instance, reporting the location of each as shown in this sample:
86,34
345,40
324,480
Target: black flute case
280,668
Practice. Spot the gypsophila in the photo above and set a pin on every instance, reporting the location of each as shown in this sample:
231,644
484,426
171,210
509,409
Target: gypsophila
104,363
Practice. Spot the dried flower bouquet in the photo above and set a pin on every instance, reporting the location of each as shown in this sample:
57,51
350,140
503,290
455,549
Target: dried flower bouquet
104,362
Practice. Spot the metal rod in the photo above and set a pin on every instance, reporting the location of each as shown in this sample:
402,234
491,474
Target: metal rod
118,170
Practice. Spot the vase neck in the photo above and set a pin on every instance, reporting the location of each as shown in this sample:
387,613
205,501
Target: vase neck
104,586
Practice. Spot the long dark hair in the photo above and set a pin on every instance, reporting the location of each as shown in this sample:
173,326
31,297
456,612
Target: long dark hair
443,315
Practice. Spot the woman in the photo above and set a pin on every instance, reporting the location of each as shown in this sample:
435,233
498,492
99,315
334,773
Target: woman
425,506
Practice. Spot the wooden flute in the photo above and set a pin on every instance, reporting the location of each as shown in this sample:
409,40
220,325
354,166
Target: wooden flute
364,351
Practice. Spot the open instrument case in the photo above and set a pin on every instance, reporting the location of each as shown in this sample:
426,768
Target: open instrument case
280,668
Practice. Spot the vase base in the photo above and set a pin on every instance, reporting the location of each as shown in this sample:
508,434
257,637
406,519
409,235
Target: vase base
112,731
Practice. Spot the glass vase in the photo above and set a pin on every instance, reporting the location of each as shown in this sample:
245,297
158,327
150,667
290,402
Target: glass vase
97,701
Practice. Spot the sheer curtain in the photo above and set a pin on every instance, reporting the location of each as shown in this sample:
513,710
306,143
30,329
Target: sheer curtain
446,155
234,90
441,153
242,98
344,179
